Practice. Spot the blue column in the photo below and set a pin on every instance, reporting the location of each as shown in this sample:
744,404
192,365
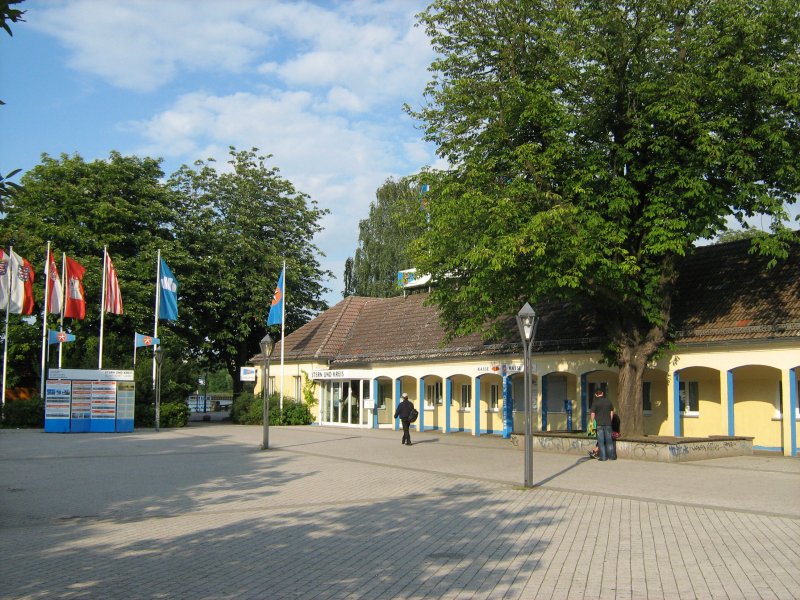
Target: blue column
544,401
584,401
793,409
676,404
398,389
375,390
731,427
448,403
477,406
508,407
421,404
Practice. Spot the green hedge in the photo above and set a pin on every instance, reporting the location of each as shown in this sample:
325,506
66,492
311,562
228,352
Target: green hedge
24,413
30,414
172,414
248,409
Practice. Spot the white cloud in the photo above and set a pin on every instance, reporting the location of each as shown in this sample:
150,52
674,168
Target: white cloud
141,45
318,86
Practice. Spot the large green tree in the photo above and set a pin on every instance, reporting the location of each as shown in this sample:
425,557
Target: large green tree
395,219
81,207
237,226
592,143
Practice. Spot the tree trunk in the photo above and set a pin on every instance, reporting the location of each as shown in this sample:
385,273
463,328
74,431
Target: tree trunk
629,393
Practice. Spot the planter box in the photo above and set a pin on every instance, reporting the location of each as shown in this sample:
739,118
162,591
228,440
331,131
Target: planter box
655,448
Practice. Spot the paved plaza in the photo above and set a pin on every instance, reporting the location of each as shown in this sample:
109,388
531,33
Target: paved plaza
201,512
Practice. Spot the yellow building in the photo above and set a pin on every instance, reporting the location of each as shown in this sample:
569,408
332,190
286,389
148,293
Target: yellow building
733,368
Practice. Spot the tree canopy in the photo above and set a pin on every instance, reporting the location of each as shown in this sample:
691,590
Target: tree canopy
224,236
591,144
234,230
395,219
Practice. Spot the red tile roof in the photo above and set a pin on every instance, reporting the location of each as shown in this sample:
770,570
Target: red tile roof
724,293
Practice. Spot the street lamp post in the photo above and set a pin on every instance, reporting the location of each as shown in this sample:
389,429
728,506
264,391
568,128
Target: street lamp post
527,323
267,344
158,356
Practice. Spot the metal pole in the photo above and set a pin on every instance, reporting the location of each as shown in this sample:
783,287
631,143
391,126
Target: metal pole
158,393
528,418
265,396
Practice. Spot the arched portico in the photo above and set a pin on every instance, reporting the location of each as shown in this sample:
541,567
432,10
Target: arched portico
383,412
404,384
560,396
757,405
488,404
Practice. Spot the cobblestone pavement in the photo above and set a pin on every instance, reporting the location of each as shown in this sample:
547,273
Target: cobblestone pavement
201,512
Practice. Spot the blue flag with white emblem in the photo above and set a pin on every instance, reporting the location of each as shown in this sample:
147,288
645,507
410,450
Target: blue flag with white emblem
140,340
168,306
59,337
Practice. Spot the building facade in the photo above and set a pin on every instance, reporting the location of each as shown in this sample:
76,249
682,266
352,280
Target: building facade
732,368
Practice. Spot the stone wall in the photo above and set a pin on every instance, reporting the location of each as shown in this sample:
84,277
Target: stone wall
658,449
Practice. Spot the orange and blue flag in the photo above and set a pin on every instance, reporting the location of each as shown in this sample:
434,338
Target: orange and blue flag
276,310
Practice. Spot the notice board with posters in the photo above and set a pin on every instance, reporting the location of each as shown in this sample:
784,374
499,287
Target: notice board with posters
84,400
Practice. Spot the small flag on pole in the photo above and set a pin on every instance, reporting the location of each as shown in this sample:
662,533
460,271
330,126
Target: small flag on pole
168,307
54,289
21,285
113,300
59,337
145,340
75,305
276,310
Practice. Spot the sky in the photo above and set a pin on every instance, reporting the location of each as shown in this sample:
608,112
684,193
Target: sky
318,85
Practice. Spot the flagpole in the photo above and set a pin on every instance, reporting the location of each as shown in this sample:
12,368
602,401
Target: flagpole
5,337
283,330
44,313
158,306
63,300
102,310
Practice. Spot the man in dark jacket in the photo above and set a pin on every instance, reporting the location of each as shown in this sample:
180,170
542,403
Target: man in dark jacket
403,412
603,412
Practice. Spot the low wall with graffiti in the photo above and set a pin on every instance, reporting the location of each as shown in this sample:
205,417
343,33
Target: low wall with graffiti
661,449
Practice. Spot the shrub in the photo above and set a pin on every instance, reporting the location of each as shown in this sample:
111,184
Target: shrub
248,409
144,415
296,413
24,413
171,414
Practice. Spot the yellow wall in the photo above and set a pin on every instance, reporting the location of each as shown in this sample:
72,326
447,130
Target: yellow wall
757,369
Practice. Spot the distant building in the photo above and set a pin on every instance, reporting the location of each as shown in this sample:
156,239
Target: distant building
734,369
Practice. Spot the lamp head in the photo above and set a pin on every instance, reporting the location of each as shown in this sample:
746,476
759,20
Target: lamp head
158,354
527,322
267,344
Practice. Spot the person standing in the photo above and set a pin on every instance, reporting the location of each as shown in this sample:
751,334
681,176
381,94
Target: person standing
616,426
403,412
602,411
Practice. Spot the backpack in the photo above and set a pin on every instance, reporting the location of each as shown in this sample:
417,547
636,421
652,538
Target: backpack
412,416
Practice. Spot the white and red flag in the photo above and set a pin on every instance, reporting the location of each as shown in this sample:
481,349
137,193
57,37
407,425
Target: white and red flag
54,290
113,297
75,304
17,290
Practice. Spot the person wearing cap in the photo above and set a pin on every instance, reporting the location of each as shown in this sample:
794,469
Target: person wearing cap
602,411
403,412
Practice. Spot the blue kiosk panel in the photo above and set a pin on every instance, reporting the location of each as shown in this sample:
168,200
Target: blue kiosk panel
81,416
82,400
126,400
57,407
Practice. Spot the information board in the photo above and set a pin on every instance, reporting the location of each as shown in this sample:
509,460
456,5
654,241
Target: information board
57,407
82,400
